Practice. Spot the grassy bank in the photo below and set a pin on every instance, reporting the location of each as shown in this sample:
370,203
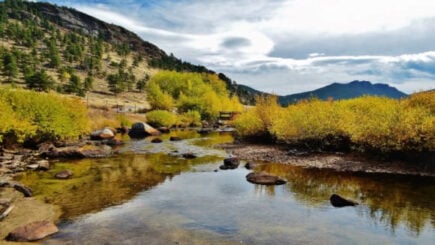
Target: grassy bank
368,124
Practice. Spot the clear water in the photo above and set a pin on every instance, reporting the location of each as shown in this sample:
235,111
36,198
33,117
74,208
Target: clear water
150,195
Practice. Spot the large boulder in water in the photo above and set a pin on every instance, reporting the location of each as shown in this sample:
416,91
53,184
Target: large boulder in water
32,232
264,179
103,134
141,130
338,201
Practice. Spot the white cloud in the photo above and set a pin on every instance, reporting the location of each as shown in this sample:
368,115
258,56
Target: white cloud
289,46
350,16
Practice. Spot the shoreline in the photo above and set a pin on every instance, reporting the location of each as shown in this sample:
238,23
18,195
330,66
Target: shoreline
341,162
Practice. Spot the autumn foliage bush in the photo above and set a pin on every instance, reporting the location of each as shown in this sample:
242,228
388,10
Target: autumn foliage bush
366,123
35,116
161,118
201,92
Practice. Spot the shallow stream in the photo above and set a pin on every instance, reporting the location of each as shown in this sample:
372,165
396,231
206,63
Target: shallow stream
149,194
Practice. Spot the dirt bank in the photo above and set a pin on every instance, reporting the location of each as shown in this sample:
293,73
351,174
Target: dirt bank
26,210
337,161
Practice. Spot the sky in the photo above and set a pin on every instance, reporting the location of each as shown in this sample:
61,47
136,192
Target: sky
288,46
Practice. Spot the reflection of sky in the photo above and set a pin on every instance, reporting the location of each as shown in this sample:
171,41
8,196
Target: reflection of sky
200,205
223,206
288,46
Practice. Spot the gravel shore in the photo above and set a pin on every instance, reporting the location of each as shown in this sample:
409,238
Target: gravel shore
336,161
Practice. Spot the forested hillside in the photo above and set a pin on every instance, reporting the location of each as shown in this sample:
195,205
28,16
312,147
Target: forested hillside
46,47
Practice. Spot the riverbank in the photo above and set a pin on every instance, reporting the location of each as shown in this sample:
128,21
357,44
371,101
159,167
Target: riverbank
337,161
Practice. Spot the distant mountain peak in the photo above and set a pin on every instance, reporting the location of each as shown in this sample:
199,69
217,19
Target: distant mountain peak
349,90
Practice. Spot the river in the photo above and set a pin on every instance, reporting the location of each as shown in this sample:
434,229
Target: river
149,194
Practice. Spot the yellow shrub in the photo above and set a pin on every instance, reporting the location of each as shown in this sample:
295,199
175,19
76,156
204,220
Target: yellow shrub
190,118
42,116
204,93
370,122
160,118
249,124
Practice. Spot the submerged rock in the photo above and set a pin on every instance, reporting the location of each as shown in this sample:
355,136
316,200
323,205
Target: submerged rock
141,130
174,138
65,174
112,142
264,179
156,140
32,232
189,155
338,201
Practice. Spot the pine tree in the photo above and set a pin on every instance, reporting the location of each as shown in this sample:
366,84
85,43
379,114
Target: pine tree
140,85
39,81
75,85
10,67
89,82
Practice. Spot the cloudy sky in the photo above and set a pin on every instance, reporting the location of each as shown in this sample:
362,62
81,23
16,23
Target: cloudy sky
288,46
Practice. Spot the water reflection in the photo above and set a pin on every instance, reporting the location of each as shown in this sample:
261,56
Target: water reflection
105,182
150,193
392,200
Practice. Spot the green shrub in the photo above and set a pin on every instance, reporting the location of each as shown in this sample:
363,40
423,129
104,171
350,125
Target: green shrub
160,118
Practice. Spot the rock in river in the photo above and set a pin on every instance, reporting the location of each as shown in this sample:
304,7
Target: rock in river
32,232
156,140
230,163
264,179
27,192
174,138
78,152
164,130
141,130
65,174
189,155
338,201
105,133
251,165
43,165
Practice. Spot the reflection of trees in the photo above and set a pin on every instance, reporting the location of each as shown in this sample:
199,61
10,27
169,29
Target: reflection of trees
390,199
105,182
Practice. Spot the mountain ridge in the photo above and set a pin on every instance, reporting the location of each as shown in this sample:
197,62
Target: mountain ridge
338,91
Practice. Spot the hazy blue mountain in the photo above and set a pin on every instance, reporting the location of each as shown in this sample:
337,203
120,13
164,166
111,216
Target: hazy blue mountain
350,90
